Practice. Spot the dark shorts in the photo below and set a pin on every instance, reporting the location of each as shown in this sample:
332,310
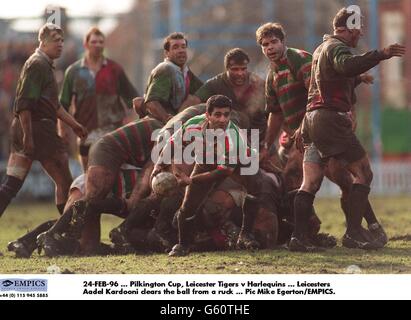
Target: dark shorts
84,150
332,134
47,143
312,155
105,153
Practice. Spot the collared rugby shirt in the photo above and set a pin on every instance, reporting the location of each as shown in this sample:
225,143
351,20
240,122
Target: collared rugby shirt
170,86
287,86
37,88
235,143
335,74
98,96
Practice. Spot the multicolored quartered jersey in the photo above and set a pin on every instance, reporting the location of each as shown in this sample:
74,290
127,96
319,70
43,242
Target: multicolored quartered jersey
97,97
134,140
335,74
251,102
170,86
287,86
37,88
225,151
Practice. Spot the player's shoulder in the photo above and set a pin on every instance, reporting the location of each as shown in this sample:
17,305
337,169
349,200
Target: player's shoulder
164,68
36,63
298,55
198,109
113,64
333,44
195,120
150,122
74,67
216,79
233,126
195,123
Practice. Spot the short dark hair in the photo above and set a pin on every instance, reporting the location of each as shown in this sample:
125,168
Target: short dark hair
268,30
173,36
236,56
46,30
341,18
93,30
218,101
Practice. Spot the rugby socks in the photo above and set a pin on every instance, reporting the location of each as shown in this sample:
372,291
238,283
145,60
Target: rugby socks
183,238
303,204
32,235
8,190
357,204
344,207
313,224
369,214
62,224
168,208
250,209
186,228
109,205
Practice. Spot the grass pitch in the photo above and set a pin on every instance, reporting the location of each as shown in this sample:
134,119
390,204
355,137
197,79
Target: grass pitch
394,214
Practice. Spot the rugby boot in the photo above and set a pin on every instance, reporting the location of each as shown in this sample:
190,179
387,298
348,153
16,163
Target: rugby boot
358,240
22,249
247,242
179,250
117,236
303,245
379,234
55,245
323,240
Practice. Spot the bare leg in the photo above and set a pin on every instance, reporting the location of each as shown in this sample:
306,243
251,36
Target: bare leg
98,184
58,170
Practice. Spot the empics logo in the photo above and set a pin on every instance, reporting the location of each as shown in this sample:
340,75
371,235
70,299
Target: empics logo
24,285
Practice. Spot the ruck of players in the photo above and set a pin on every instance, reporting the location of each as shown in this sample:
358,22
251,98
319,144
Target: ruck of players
233,163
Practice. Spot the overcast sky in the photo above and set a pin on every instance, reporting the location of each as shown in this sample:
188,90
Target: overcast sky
32,8
35,8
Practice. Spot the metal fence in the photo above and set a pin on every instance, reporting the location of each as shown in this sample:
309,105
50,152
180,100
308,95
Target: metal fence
390,179
38,185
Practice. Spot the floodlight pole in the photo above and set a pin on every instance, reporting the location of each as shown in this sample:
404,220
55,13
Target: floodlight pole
176,16
310,16
268,10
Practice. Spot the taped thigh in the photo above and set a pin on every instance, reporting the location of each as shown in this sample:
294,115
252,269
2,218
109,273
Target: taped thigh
19,170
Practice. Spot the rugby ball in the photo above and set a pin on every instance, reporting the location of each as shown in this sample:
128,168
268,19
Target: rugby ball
164,184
